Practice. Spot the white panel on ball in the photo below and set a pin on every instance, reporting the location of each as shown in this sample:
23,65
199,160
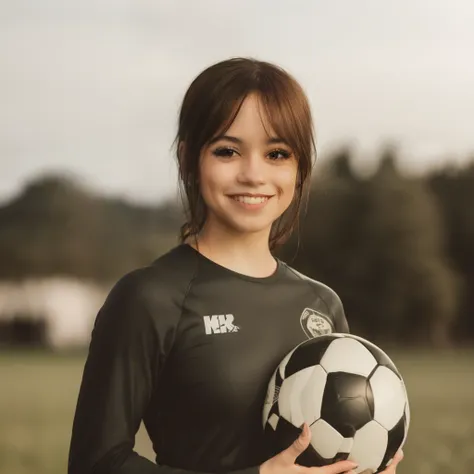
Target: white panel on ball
273,421
389,397
289,403
312,395
370,445
346,445
325,439
348,355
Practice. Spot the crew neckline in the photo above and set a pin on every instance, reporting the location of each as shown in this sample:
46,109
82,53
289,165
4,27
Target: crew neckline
263,280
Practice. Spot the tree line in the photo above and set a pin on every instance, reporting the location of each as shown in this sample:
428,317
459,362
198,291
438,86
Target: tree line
399,250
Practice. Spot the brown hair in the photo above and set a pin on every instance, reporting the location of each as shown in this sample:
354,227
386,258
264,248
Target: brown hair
209,107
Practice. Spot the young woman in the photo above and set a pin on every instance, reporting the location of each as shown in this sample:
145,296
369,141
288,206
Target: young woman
189,343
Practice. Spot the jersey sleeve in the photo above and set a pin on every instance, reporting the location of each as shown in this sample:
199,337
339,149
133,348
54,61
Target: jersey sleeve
132,335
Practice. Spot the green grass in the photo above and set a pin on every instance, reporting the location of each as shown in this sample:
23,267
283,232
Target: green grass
38,392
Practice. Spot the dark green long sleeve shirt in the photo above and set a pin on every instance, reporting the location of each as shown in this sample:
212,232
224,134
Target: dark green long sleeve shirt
189,347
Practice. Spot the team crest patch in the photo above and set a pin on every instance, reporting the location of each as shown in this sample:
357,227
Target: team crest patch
314,324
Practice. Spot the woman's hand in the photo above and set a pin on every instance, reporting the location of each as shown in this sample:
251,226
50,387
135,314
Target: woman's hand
285,462
392,469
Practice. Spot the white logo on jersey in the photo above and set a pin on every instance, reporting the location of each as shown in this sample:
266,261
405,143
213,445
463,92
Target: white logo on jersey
220,324
314,323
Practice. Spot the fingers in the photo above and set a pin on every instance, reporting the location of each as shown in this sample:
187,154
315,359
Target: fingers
338,467
396,459
299,445
393,465
398,456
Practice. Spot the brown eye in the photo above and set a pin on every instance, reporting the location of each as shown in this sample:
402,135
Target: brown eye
224,152
279,155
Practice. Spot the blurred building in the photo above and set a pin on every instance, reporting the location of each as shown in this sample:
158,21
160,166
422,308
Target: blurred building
57,312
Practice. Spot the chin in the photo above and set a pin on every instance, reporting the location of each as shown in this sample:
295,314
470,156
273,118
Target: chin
239,223
246,226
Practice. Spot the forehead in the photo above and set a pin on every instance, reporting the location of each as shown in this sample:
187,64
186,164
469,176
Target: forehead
252,120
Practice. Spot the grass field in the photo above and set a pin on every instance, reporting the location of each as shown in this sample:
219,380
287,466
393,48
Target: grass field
38,393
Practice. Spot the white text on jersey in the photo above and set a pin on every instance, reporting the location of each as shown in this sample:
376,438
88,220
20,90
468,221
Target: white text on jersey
220,324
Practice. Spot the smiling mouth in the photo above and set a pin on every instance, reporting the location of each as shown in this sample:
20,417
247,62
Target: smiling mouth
250,199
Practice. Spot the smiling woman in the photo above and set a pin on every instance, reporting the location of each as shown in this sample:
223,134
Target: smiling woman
188,343
255,119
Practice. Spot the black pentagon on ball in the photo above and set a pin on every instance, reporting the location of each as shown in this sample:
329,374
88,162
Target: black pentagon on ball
348,402
285,434
309,353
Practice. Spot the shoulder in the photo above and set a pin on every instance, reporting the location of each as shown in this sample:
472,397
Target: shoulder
330,297
157,290
171,273
322,290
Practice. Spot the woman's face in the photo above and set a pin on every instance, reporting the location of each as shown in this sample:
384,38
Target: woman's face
247,176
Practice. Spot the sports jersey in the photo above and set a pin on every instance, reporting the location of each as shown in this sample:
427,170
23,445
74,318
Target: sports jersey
189,346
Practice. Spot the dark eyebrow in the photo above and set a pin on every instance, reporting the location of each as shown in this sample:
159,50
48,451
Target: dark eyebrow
238,141
227,138
277,141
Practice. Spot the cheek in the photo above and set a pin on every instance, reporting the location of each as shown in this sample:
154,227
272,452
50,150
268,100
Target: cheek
287,181
214,178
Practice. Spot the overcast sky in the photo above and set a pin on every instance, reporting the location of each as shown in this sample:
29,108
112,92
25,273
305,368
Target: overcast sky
92,87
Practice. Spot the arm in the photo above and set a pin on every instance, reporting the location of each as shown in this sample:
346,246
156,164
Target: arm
127,351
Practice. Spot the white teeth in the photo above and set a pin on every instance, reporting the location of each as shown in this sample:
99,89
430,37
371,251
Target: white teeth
250,199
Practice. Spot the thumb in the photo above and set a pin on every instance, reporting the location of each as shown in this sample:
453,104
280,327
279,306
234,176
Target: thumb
299,445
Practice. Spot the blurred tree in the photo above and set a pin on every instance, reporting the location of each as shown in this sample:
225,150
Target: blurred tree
454,189
49,226
414,290
56,227
379,243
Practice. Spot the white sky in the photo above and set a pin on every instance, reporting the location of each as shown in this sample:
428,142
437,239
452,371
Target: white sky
92,87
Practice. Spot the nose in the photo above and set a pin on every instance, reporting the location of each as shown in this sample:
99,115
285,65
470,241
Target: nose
252,170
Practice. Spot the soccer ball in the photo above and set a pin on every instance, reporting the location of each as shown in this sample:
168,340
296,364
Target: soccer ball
350,394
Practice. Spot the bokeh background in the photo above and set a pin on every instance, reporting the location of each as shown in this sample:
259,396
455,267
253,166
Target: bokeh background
89,94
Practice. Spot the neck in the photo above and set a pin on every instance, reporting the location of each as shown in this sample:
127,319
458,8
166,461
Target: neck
246,253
